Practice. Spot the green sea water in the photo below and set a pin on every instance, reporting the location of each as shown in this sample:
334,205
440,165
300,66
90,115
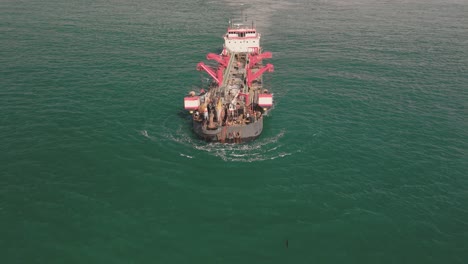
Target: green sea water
362,160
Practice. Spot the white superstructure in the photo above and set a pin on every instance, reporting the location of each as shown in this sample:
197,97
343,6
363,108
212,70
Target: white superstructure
241,38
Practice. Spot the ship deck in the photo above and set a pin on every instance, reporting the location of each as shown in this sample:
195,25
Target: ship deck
230,106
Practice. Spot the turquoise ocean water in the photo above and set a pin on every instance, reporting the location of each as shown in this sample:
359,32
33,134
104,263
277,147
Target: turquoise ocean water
363,159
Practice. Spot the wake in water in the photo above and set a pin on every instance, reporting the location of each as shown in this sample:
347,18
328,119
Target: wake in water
263,148
258,150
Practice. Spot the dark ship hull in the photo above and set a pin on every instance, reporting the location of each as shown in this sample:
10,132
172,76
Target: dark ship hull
229,134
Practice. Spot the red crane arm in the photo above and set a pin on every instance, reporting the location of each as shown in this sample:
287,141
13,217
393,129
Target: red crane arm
257,58
220,73
252,76
201,66
223,60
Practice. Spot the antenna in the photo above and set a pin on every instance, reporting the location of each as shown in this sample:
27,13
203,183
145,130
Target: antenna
242,11
243,17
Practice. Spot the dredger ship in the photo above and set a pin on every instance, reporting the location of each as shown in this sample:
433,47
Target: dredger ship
232,107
